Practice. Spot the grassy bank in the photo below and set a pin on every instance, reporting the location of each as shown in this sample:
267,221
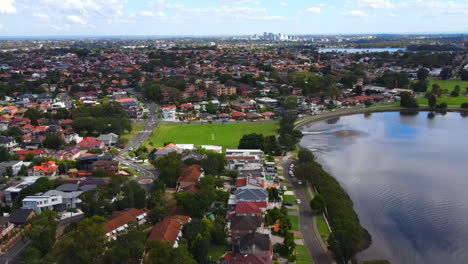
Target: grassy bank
227,135
136,129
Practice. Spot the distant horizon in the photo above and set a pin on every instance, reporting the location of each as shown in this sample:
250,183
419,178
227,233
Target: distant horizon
232,35
35,18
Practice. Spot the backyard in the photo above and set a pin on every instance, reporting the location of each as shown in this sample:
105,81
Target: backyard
227,135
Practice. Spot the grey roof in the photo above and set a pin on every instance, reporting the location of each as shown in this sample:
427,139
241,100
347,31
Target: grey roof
20,216
5,140
193,155
251,195
261,241
164,152
107,137
85,188
250,173
10,163
68,187
248,222
65,195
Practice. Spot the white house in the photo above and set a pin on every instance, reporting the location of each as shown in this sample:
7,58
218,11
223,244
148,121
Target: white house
217,149
169,113
41,203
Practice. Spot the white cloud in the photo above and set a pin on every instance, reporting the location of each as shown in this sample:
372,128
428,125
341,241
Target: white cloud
7,7
322,5
313,10
160,14
357,13
375,4
40,15
238,1
76,19
284,4
146,13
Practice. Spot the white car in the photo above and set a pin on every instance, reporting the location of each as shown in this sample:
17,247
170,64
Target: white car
298,201
299,182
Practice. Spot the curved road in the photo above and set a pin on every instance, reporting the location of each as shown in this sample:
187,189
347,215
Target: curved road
310,235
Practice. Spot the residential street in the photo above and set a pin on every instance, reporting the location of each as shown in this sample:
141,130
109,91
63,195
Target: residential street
306,222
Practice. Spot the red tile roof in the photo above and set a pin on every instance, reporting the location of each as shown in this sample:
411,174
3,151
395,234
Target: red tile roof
247,208
168,229
120,218
89,142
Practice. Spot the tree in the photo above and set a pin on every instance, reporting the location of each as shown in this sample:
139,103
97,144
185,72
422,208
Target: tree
408,101
87,242
163,253
251,141
213,163
128,248
96,202
318,204
210,108
367,103
436,90
33,114
169,167
432,101
464,105
31,256
305,155
133,196
358,90
303,171
422,74
290,103
152,91
456,91
4,154
43,231
271,146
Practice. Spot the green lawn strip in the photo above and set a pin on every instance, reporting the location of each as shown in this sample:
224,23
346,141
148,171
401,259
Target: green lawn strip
302,254
304,262
322,228
134,172
294,222
289,199
227,135
308,195
291,210
136,129
215,252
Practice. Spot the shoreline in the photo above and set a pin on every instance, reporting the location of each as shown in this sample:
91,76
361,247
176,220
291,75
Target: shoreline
320,117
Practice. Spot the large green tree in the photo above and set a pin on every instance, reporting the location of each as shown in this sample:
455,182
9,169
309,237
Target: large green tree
163,253
43,231
169,168
251,141
128,248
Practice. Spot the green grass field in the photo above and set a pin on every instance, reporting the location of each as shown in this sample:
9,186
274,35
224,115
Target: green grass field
448,84
216,252
294,222
302,254
323,228
227,135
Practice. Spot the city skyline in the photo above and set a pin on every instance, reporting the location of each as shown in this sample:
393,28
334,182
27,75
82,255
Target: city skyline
229,17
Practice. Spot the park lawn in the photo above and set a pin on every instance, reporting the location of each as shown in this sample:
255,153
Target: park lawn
215,252
302,254
136,128
450,101
323,228
227,135
289,199
294,222
448,84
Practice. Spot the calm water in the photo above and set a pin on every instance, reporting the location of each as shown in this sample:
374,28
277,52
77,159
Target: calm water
350,50
407,177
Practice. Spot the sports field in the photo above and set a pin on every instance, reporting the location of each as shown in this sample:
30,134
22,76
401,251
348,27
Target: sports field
227,135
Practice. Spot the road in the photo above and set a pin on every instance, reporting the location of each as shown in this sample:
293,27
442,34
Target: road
148,171
13,255
310,235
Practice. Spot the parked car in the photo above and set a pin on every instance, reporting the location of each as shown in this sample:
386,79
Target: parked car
288,204
299,182
298,201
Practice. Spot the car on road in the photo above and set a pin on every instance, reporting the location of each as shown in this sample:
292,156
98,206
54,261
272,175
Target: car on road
288,204
298,201
299,182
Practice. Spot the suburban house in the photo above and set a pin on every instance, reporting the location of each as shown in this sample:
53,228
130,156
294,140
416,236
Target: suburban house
41,203
250,208
12,192
110,167
248,195
169,113
250,259
250,183
109,140
8,142
189,178
255,243
242,225
217,149
15,166
164,151
49,169
169,229
120,220
90,143
21,216
70,154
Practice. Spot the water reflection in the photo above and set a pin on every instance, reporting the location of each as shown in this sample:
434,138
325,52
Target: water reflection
406,176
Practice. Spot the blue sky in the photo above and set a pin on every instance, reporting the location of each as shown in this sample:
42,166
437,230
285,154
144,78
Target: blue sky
229,17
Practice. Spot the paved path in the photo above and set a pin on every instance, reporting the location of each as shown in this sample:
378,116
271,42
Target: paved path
310,236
